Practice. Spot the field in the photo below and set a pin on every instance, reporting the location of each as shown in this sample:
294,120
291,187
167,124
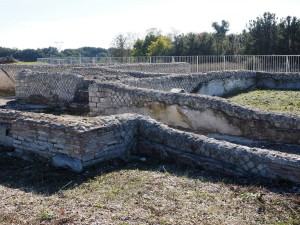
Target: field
140,192
270,100
29,63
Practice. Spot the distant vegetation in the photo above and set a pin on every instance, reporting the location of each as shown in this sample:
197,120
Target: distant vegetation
265,35
30,55
6,60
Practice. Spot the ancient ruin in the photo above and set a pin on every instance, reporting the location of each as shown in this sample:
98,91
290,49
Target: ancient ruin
154,110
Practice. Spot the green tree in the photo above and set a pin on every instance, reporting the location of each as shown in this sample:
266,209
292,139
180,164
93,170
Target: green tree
234,44
140,47
290,35
178,45
161,47
220,34
28,55
191,44
207,44
263,35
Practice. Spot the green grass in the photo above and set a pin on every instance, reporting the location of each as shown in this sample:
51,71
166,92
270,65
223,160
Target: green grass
270,100
45,215
134,192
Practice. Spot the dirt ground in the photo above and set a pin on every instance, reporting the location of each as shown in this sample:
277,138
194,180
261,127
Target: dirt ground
140,192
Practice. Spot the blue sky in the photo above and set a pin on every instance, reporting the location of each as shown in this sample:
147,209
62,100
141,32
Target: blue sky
78,23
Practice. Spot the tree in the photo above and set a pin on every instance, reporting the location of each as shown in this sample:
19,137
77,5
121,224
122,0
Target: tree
220,34
207,44
178,45
140,47
161,47
191,44
120,47
28,55
290,35
234,44
263,35
7,52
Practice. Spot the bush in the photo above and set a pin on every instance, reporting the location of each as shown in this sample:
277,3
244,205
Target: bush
6,60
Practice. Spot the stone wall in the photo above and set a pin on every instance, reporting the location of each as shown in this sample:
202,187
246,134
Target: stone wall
195,112
14,69
220,83
160,141
226,83
6,118
281,81
6,83
8,72
214,83
154,67
73,142
47,88
76,142
105,73
168,82
86,69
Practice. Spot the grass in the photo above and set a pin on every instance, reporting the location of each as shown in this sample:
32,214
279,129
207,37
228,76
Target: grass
45,215
135,192
270,100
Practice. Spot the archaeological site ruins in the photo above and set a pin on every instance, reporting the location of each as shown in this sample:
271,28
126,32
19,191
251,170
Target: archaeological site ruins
80,115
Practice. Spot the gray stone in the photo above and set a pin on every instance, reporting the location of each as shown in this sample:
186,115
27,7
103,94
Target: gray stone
68,163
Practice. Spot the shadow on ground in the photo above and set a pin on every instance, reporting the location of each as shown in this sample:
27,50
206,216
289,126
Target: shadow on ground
44,179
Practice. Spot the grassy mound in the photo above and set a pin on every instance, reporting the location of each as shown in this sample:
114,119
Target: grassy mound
270,100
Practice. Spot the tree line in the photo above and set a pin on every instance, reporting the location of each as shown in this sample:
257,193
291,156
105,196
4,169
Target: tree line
31,55
266,35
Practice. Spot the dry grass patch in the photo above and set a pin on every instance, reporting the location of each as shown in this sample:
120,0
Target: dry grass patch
134,192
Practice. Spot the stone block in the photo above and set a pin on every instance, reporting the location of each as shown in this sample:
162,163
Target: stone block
68,163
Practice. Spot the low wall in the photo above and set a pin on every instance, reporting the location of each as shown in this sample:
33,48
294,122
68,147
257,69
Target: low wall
214,83
219,83
168,82
154,67
76,142
108,74
226,83
160,141
279,81
194,112
47,88
73,142
14,69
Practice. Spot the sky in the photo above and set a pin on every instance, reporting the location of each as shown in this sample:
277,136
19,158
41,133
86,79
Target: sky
78,23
